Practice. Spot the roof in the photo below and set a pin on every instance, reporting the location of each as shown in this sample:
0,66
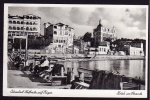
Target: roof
137,45
22,17
103,43
60,24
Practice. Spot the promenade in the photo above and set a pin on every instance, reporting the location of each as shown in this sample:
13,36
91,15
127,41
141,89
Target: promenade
24,79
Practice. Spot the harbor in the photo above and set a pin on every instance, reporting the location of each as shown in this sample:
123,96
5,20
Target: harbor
81,73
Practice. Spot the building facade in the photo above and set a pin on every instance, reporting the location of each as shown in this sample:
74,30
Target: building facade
102,49
23,25
102,34
136,49
61,35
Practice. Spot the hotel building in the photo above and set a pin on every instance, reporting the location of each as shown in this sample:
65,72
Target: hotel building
101,34
61,35
23,25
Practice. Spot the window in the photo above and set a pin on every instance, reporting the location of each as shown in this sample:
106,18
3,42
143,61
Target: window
59,45
34,23
10,27
14,22
30,29
104,49
34,17
18,22
9,33
10,22
59,41
18,28
55,26
27,23
21,22
27,17
21,28
55,32
30,23
30,17
34,29
27,28
14,28
99,49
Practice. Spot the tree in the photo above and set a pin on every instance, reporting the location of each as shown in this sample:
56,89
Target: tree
87,37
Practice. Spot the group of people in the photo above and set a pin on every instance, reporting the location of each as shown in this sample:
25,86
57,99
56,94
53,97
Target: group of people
42,65
18,61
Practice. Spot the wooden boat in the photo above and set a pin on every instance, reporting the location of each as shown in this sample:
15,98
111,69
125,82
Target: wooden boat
126,83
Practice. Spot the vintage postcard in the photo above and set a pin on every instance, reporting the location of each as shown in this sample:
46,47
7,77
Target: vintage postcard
61,50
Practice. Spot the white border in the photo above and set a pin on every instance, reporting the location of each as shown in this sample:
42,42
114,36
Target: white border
68,92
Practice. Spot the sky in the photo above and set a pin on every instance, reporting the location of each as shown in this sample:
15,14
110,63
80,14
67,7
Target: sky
129,22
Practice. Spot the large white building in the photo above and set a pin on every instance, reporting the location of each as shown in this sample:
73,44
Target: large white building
102,49
101,33
23,25
61,35
136,49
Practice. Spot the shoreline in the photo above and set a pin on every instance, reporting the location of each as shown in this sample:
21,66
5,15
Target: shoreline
107,58
90,58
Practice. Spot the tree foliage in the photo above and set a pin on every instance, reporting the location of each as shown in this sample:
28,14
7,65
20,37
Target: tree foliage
33,42
121,42
87,37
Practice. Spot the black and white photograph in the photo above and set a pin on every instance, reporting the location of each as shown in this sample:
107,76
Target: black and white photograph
75,50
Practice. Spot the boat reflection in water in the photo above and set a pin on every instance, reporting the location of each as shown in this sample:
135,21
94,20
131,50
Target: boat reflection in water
129,68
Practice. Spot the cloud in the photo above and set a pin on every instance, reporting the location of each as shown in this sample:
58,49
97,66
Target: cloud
136,11
80,15
143,34
123,19
83,29
136,23
129,22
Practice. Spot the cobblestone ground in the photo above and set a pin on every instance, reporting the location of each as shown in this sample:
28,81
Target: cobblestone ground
24,79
